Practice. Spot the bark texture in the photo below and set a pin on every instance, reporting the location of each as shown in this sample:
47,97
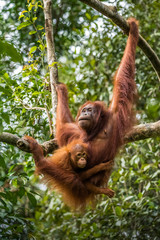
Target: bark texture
139,132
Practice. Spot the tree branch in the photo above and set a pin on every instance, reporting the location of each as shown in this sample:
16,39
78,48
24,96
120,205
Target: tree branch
51,56
143,131
121,22
139,132
9,138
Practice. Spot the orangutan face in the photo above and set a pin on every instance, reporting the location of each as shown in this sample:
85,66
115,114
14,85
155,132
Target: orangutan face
87,117
79,156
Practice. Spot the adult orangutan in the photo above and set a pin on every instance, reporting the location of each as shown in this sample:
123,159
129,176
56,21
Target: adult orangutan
102,129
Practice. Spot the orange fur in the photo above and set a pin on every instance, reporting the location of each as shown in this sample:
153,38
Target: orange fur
63,175
112,124
102,143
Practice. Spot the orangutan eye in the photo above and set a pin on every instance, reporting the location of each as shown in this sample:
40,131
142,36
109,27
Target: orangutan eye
84,154
90,109
79,155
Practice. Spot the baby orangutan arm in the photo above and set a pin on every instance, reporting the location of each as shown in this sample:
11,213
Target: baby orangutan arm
91,187
97,190
100,167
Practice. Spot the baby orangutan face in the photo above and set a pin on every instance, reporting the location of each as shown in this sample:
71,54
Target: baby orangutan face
78,156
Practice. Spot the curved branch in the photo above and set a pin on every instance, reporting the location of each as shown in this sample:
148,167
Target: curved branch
139,132
143,131
121,22
9,138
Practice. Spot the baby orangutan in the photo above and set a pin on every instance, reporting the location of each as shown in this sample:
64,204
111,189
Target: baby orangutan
65,172
78,156
78,159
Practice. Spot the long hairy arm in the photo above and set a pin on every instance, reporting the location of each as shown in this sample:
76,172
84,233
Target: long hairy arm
63,111
64,117
124,92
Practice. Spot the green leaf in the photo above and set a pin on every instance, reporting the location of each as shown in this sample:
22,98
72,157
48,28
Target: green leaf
147,186
92,62
94,30
88,16
15,182
140,195
30,7
3,202
39,27
11,168
33,49
37,215
21,192
146,167
34,19
1,126
21,16
32,32
2,162
95,17
8,49
23,24
118,211
36,93
5,117
32,199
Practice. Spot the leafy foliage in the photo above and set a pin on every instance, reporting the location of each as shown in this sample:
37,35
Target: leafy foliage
89,49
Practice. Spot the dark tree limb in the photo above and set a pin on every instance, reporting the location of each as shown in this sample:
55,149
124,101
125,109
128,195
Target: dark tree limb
139,132
121,22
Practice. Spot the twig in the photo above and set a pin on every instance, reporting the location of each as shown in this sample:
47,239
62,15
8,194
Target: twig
119,21
42,109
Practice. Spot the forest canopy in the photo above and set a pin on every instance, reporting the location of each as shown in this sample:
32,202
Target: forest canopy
88,50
